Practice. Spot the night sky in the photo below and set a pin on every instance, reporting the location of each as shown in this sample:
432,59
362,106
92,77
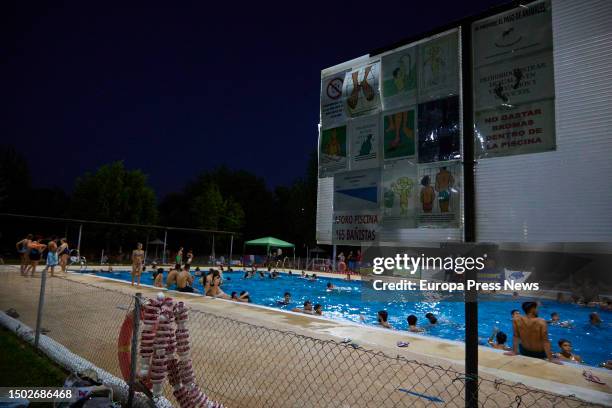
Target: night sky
176,88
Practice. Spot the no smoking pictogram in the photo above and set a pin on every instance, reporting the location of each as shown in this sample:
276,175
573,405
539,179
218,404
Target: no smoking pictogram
334,88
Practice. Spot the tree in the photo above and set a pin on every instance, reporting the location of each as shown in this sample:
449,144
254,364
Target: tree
114,194
14,180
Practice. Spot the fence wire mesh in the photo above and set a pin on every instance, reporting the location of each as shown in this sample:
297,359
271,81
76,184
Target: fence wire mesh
246,365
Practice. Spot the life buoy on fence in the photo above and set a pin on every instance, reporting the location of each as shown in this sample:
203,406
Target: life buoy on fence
164,352
341,267
124,348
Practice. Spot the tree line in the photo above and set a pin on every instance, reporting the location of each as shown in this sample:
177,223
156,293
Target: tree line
217,199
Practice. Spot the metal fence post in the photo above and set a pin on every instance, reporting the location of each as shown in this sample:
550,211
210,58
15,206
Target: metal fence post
229,263
79,240
471,296
41,302
134,348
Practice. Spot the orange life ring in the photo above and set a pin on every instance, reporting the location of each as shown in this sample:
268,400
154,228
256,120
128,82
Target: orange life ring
341,267
124,348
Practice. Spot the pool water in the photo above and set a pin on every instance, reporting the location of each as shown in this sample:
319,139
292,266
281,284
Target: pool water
346,303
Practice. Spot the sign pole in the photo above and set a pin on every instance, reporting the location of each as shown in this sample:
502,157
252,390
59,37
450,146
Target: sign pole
471,296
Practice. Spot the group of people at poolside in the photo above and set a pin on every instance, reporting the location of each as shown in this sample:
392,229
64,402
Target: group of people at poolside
32,250
529,338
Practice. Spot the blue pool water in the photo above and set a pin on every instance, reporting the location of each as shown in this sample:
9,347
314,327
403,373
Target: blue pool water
346,303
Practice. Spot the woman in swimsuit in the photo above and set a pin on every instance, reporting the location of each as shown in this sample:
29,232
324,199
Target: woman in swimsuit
64,254
23,250
36,250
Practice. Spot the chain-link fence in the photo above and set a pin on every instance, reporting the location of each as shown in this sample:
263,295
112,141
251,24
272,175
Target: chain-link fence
246,365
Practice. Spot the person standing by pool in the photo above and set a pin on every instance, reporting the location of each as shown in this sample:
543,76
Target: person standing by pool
382,317
23,250
64,254
137,260
179,257
35,254
530,334
51,258
189,258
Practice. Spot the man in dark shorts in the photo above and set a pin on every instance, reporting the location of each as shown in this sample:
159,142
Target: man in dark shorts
530,337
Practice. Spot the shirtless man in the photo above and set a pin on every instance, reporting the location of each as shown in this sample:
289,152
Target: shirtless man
137,259
444,181
184,281
172,276
530,334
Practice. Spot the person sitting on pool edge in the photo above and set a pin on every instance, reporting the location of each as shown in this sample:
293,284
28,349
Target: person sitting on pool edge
412,324
530,335
500,340
286,299
306,309
382,317
566,352
158,278
184,281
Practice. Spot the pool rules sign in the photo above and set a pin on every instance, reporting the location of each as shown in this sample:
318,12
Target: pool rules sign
514,92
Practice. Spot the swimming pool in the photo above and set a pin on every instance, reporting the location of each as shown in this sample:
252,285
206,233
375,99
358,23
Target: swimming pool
346,303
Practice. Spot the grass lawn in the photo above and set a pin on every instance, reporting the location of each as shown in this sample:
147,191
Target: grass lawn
22,366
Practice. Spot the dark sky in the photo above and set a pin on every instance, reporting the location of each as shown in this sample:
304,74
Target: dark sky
174,88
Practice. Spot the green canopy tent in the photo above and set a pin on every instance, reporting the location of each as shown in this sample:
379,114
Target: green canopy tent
271,242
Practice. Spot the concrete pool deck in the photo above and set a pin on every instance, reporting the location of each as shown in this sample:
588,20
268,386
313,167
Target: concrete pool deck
565,380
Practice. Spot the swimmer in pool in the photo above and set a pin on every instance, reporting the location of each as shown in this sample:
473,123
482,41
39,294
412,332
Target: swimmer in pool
243,297
500,340
432,318
514,313
330,287
313,278
412,324
566,352
382,318
594,319
318,309
158,278
555,321
307,309
286,299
